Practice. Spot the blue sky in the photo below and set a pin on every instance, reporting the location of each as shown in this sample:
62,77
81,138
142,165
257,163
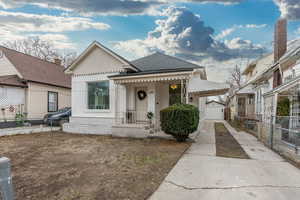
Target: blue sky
215,33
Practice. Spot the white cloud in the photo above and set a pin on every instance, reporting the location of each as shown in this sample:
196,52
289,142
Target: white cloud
183,34
221,74
255,25
18,26
225,33
232,29
105,7
24,22
289,8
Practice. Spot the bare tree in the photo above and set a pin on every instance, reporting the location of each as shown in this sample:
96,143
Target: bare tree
235,79
44,50
67,58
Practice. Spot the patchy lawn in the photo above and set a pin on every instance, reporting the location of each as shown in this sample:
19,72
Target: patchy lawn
64,166
226,144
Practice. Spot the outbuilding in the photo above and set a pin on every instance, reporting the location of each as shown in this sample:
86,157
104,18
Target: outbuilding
214,110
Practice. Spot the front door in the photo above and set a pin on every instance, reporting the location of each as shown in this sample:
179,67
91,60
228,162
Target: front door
141,100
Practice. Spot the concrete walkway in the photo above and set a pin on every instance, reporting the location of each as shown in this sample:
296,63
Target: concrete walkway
200,175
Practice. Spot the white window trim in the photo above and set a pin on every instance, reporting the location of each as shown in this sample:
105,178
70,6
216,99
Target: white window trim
87,99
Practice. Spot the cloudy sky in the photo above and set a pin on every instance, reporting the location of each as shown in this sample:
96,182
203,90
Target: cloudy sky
217,34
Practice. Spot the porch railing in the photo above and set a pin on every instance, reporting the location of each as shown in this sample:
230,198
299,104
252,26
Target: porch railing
131,117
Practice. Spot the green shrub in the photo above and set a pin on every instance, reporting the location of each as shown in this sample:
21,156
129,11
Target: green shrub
20,119
179,120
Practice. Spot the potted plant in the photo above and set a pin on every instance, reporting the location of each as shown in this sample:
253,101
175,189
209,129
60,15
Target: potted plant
150,117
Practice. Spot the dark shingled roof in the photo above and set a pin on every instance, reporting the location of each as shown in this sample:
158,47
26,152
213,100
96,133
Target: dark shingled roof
37,70
159,61
12,80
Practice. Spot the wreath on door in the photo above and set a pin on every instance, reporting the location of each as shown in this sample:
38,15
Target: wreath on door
141,94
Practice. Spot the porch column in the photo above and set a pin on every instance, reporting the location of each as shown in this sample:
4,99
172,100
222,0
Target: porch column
151,98
275,100
120,103
186,92
116,103
182,91
122,100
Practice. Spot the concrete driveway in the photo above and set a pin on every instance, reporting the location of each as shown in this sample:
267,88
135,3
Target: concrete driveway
201,175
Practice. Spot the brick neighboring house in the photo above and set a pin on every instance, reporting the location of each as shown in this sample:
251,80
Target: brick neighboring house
31,85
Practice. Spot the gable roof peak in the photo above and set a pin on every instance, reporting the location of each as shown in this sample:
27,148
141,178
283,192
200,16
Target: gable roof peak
94,44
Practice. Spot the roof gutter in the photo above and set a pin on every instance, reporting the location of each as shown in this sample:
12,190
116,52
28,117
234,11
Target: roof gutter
49,84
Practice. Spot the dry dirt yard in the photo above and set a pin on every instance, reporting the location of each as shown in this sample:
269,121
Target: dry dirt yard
64,166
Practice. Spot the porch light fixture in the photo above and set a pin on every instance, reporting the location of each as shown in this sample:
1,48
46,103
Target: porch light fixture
174,86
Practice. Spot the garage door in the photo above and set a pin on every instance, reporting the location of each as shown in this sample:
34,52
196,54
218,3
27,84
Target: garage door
214,113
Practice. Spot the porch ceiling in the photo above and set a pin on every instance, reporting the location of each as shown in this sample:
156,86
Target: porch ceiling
207,88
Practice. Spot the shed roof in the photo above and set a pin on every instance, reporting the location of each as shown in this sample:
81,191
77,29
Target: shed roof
214,101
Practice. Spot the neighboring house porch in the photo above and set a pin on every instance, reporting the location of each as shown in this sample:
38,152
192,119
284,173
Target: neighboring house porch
245,99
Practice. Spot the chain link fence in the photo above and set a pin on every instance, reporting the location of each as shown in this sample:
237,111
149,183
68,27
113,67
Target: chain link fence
248,123
285,134
280,133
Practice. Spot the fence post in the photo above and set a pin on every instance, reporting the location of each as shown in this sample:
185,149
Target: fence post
296,142
271,132
6,187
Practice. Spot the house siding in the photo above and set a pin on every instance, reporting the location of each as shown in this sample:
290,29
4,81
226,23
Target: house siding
6,68
37,99
98,61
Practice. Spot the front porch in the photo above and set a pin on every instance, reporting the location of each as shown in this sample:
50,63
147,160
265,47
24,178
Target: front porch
140,99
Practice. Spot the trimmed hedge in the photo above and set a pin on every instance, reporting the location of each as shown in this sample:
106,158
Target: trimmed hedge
179,120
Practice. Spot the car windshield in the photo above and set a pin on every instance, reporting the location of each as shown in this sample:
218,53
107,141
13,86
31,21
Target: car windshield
63,110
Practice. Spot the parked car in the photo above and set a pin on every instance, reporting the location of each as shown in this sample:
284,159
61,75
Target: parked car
58,118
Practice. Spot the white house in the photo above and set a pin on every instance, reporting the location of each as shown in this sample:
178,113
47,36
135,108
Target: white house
111,95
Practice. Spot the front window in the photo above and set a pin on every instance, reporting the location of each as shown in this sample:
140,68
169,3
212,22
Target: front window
52,101
98,95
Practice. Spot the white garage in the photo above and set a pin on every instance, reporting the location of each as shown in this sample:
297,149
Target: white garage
214,110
